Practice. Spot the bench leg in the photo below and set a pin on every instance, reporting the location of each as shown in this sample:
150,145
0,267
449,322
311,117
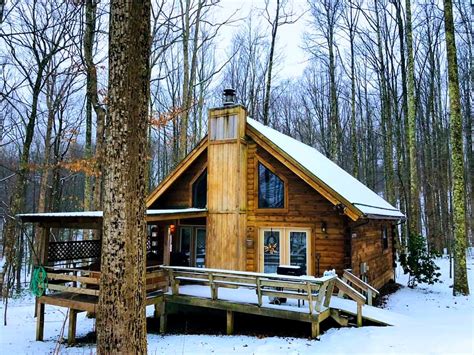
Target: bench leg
230,322
71,334
39,321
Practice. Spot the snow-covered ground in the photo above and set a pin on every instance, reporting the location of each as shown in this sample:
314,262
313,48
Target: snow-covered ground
435,322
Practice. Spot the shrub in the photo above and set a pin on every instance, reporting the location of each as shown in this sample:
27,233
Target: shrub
419,263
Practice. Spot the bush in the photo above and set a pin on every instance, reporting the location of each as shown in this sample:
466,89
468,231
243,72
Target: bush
419,263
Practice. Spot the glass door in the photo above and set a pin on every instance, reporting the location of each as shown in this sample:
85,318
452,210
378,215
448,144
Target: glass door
298,249
271,250
200,250
185,245
284,246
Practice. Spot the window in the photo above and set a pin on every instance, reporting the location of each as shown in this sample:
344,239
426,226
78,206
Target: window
200,191
384,238
222,128
271,189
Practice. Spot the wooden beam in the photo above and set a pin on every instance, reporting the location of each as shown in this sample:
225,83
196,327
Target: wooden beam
230,322
173,216
342,321
359,314
329,291
163,323
315,329
71,334
239,307
68,303
39,321
80,290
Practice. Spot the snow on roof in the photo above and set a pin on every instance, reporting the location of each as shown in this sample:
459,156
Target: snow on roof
176,210
99,214
359,195
92,214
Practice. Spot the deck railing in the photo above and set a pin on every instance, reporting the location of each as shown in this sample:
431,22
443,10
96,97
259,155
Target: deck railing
86,282
316,291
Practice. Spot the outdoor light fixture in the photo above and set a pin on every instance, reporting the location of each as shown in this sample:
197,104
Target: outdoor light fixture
228,97
172,228
324,227
249,243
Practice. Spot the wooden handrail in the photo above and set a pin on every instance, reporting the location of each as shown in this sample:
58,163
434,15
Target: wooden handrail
311,279
354,295
314,290
74,280
350,291
361,285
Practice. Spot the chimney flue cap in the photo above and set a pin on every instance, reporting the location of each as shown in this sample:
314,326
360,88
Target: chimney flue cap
228,97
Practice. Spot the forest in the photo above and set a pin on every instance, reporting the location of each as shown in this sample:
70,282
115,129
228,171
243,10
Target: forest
374,96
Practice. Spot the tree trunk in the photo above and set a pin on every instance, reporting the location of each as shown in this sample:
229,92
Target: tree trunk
268,85
461,286
121,322
414,210
92,192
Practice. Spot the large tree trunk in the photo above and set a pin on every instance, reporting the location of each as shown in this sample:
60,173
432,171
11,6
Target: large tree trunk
414,198
461,286
121,321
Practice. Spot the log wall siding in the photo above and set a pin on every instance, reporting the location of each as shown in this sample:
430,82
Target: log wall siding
367,247
178,194
306,209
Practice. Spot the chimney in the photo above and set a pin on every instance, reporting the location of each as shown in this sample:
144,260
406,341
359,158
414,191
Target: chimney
227,185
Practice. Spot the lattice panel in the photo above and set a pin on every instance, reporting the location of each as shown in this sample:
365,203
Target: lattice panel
81,249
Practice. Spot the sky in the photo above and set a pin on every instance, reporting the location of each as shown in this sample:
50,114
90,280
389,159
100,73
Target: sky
289,36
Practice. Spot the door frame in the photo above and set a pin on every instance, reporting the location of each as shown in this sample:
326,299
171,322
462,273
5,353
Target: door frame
192,242
285,245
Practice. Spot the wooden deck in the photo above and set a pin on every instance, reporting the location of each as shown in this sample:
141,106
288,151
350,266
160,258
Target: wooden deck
308,299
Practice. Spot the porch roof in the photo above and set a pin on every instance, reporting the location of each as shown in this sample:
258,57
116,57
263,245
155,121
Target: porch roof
93,219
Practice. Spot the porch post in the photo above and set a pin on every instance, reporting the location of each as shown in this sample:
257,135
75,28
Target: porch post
71,335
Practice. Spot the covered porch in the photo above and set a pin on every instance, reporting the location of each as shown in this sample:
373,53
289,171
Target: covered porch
71,262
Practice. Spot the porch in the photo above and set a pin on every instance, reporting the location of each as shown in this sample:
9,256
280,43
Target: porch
307,299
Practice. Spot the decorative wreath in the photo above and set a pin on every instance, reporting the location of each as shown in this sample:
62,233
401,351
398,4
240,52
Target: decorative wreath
271,248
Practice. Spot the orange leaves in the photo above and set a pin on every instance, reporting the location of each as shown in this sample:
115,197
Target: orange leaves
161,120
86,166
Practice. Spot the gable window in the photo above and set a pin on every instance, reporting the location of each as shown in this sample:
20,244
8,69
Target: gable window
271,189
200,191
384,238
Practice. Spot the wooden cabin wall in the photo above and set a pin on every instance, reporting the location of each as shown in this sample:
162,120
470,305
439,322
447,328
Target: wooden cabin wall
367,248
306,209
178,195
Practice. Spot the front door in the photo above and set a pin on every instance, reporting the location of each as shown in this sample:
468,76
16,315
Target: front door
192,244
284,246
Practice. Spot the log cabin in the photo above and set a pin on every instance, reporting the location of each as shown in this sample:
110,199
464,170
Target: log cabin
246,199
272,200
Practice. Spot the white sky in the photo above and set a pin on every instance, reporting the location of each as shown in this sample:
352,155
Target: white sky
289,37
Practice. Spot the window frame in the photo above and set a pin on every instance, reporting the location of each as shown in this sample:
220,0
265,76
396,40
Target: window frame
191,184
384,237
284,209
